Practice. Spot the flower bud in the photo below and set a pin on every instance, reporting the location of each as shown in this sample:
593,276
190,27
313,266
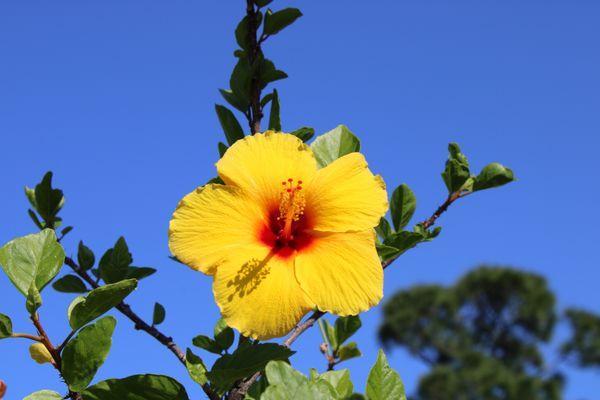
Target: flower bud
40,353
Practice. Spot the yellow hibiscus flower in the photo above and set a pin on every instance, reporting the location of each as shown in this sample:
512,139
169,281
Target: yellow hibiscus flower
281,237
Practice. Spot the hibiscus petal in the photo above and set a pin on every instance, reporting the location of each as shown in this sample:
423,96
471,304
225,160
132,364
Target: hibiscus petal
341,272
259,163
259,295
212,222
345,196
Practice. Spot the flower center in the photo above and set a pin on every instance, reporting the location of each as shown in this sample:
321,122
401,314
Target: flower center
291,209
289,224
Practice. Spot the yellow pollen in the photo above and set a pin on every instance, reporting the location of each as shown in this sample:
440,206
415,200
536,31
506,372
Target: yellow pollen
291,206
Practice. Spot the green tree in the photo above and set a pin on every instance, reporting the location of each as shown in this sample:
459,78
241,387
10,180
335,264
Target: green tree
481,336
583,348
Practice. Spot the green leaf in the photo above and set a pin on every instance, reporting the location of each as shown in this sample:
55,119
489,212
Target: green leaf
332,145
48,201
244,362
98,301
69,284
5,326
85,354
348,351
223,334
32,259
346,327
493,175
305,133
222,149
195,367
159,314
285,383
265,100
340,381
274,116
262,3
319,390
44,395
114,264
34,299
241,33
137,387
457,172
427,235
328,333
275,22
402,206
65,231
139,272
386,252
240,80
383,382
206,343
35,219
281,373
232,99
231,127
404,240
256,390
30,193
268,73
383,229
85,256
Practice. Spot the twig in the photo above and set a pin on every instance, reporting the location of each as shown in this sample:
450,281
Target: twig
442,209
54,352
328,356
26,336
239,392
142,325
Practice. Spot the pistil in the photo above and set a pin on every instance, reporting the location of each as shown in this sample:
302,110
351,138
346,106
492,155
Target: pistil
291,209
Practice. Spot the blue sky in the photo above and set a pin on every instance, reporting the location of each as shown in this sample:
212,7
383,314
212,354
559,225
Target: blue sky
116,97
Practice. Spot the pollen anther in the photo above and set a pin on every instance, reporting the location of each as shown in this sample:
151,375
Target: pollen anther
291,208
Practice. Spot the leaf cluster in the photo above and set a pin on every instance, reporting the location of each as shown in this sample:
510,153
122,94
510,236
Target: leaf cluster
395,239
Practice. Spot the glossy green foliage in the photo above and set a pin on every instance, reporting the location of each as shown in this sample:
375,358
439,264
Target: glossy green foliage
334,144
137,387
32,260
85,309
85,354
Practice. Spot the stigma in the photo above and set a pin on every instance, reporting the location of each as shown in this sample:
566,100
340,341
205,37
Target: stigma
291,208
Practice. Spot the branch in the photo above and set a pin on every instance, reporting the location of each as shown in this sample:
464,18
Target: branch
26,336
142,325
429,222
255,114
240,391
54,352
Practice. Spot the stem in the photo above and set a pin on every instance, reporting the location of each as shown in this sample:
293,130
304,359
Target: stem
443,208
254,51
26,336
54,352
240,391
142,325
